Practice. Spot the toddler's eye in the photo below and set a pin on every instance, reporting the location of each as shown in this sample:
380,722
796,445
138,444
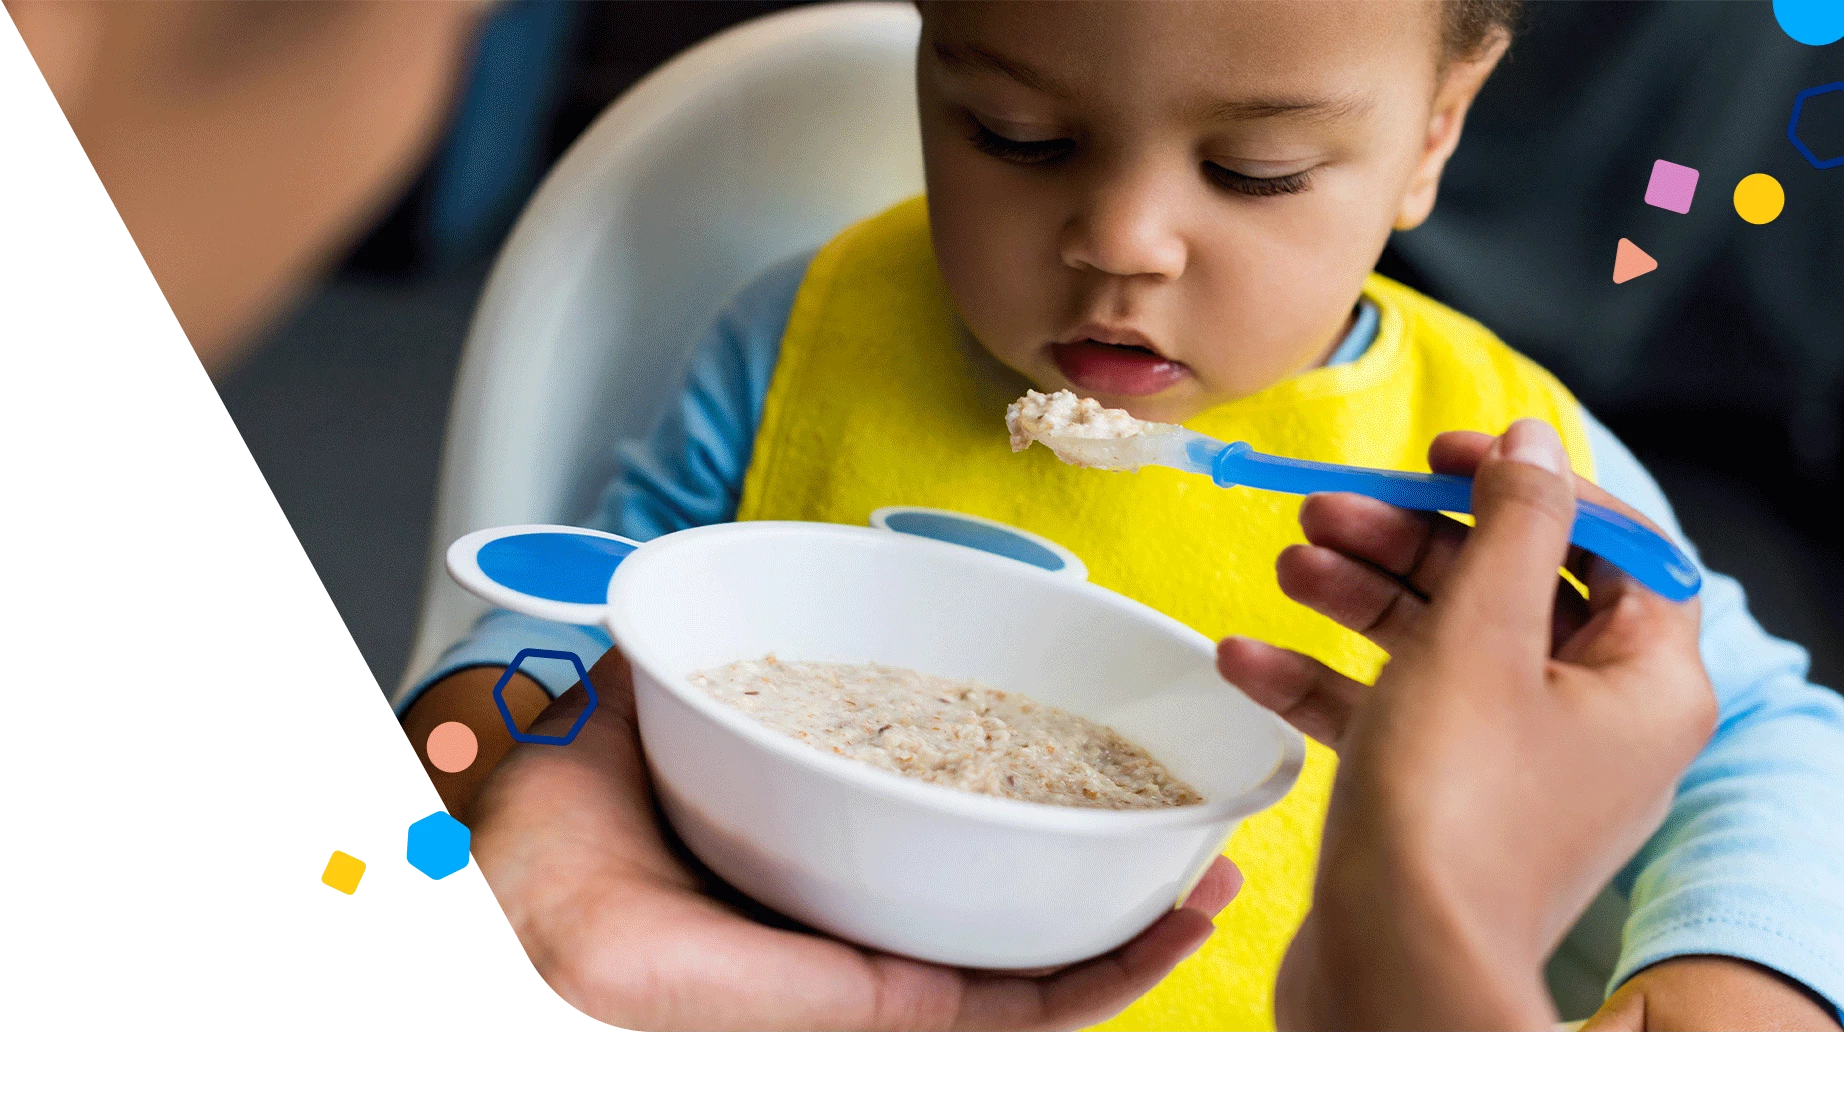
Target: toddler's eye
1258,187
1017,151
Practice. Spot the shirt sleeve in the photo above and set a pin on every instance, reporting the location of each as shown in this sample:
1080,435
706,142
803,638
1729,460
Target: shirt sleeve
687,471
1750,860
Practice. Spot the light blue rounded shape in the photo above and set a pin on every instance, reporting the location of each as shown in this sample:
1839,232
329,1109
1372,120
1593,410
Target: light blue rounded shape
438,845
974,534
561,567
1813,22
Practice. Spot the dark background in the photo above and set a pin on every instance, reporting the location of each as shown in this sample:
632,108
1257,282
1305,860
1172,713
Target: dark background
1723,369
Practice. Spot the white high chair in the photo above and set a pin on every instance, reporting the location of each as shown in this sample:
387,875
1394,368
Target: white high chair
755,144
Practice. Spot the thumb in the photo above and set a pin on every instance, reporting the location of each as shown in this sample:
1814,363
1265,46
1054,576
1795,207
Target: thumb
1504,578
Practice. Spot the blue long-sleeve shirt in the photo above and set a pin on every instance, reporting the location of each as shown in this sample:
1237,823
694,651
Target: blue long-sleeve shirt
1749,863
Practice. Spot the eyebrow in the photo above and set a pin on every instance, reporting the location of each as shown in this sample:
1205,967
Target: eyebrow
1237,111
973,57
966,56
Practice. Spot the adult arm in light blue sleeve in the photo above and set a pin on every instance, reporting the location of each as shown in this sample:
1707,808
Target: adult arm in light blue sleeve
1750,861
687,471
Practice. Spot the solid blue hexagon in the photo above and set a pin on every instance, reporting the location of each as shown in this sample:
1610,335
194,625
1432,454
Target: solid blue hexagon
1792,126
438,845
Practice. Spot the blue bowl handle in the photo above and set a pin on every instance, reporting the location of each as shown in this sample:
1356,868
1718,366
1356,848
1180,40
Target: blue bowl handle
556,572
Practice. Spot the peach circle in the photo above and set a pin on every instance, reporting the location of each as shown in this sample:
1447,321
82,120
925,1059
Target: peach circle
452,747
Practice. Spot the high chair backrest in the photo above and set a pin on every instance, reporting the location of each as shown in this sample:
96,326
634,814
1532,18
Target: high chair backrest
755,144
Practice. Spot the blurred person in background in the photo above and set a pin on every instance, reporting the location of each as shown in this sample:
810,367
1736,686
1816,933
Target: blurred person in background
248,145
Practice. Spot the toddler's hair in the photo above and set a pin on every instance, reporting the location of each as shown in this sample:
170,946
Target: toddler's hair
1467,25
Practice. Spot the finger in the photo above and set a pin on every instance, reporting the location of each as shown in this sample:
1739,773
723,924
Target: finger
1210,895
1213,891
1606,583
1502,590
728,972
1364,600
1568,617
1647,646
1458,453
1414,547
630,952
1350,592
1625,1010
611,679
1085,994
1092,991
1417,548
1316,700
1395,559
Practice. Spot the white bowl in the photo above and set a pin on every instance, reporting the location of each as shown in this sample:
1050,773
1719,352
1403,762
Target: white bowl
896,864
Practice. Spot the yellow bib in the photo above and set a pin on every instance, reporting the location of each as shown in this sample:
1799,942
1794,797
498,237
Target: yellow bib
880,398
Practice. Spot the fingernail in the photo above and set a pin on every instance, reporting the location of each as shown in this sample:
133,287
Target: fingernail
1536,443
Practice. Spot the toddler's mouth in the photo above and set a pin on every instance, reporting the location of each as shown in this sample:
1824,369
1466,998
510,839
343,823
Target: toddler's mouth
1120,370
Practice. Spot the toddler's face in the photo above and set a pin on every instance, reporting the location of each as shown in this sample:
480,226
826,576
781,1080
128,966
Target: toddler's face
1166,206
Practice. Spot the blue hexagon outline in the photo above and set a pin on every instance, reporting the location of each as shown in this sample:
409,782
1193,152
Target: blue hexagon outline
1792,125
505,713
446,834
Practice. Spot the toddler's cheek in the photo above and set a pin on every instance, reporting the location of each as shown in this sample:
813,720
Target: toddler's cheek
1006,287
1011,336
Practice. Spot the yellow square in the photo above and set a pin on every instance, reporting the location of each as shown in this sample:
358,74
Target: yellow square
343,872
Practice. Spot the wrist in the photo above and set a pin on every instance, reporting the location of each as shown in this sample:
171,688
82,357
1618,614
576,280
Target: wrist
1394,945
466,696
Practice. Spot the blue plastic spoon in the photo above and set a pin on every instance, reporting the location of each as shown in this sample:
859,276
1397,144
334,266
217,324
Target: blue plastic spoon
1633,548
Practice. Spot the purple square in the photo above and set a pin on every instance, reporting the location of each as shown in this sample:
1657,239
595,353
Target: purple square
1671,186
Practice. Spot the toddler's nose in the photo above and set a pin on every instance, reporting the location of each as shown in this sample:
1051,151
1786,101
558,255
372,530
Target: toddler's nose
1124,228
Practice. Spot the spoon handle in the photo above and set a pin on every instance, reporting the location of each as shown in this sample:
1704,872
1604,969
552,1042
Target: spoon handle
1633,548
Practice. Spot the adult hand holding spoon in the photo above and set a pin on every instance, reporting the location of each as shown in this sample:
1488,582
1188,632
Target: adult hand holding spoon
1511,756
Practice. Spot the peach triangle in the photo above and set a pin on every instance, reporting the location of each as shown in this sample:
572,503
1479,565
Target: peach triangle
1630,262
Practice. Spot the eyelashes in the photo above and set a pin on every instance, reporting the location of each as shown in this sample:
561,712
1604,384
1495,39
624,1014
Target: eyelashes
1020,153
1258,187
1044,152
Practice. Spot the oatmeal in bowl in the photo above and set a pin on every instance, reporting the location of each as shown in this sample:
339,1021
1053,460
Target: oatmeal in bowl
930,866
957,733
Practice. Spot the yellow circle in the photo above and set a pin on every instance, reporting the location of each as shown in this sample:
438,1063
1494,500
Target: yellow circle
1759,198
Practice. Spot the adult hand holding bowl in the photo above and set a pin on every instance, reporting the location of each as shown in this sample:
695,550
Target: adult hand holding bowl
941,876
627,926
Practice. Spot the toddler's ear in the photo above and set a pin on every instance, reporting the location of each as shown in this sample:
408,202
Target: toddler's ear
1460,82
